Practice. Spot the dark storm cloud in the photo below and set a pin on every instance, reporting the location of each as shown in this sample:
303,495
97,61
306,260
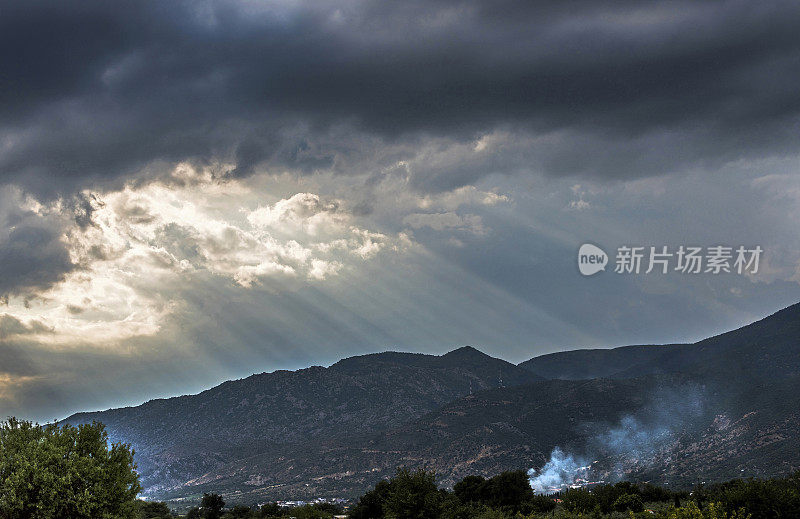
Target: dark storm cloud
10,325
32,253
32,257
93,91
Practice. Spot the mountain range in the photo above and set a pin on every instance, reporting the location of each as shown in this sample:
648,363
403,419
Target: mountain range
674,414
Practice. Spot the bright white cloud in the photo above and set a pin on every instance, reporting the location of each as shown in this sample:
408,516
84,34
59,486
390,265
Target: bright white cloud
146,241
446,221
303,212
466,195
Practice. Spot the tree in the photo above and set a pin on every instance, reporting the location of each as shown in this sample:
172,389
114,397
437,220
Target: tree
328,508
579,500
412,495
154,510
627,502
194,513
713,511
539,505
270,510
471,510
51,471
770,499
212,505
370,505
469,489
508,490
408,495
240,512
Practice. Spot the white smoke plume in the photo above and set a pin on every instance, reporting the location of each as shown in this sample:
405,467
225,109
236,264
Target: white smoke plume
634,439
638,437
631,443
560,471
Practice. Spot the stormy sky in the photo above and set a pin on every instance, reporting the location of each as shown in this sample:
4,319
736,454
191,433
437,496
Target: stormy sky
197,191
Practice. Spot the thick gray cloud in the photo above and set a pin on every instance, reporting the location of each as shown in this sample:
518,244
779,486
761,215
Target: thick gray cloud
94,91
10,325
32,253
32,256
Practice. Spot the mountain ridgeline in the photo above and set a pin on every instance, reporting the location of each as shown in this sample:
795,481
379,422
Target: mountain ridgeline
675,414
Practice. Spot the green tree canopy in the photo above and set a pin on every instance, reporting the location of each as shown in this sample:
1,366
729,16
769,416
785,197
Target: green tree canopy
408,495
240,512
154,510
270,510
412,495
212,505
627,502
370,505
53,472
470,489
508,489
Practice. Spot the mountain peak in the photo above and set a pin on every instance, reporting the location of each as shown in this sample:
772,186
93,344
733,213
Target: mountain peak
466,352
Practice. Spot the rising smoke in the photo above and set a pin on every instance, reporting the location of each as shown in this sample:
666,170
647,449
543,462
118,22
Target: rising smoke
560,471
633,442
